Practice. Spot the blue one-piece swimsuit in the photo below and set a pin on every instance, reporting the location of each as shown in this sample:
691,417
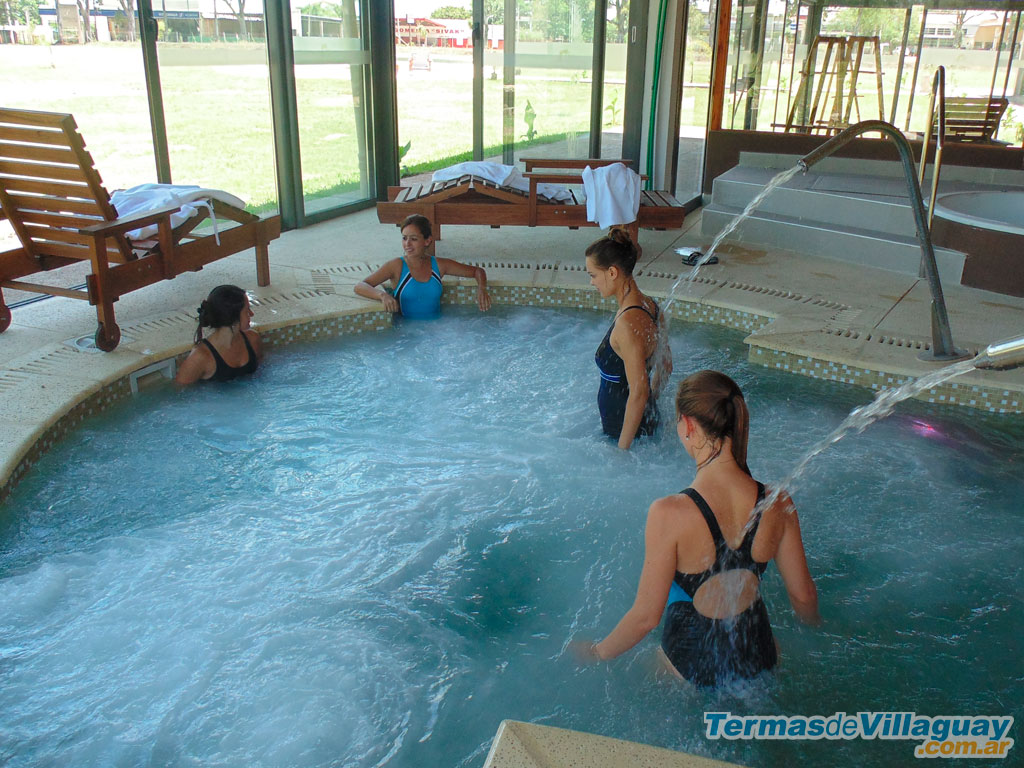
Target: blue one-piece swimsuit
614,390
419,300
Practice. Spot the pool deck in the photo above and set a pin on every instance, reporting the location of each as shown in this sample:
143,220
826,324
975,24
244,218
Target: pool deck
815,316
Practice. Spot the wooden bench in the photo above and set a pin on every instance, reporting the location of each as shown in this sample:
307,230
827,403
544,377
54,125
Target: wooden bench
472,200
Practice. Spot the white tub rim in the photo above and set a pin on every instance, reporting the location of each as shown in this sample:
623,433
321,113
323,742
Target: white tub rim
956,207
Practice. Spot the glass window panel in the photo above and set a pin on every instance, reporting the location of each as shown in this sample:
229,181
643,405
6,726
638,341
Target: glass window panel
331,64
693,108
614,90
216,91
434,82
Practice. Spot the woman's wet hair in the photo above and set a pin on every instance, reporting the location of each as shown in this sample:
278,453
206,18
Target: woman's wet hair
616,249
221,308
715,402
422,223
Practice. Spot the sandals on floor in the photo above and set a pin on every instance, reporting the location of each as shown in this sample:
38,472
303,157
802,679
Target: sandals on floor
692,257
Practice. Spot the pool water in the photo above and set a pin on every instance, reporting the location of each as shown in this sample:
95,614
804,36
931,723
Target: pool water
379,547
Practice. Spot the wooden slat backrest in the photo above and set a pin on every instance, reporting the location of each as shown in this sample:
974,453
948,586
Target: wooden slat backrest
46,169
972,118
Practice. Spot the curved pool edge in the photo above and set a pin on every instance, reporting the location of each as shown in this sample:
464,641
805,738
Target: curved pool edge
969,208
53,389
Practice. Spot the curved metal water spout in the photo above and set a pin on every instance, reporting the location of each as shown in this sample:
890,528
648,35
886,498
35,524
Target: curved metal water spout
942,336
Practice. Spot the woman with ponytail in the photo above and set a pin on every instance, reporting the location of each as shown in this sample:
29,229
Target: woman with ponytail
707,547
633,366
232,349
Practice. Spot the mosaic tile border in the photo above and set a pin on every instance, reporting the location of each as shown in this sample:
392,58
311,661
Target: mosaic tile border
990,399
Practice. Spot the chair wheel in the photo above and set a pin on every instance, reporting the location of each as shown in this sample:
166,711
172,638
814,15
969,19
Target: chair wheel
107,341
5,317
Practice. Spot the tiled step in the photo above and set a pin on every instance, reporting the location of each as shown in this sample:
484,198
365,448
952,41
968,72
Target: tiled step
897,253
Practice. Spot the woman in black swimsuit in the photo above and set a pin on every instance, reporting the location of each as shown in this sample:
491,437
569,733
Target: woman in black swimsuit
633,367
704,562
232,349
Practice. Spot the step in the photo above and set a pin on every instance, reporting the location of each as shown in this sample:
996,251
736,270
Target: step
896,253
841,201
996,177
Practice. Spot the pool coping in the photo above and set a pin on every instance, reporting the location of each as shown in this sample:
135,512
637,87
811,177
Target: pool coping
53,388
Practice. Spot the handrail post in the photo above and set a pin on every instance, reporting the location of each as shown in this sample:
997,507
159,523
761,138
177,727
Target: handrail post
942,337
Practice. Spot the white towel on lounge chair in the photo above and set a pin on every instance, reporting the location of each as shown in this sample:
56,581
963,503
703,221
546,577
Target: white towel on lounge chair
613,194
505,175
149,197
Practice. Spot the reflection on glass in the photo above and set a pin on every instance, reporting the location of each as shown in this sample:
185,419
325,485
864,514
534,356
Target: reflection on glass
434,82
216,91
331,64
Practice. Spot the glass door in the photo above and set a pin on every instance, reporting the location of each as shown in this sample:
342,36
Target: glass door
694,101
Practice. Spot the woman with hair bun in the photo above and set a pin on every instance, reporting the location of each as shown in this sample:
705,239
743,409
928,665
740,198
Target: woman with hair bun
416,277
707,547
232,349
633,369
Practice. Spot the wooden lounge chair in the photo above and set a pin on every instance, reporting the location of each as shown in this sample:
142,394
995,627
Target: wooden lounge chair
971,119
55,201
472,200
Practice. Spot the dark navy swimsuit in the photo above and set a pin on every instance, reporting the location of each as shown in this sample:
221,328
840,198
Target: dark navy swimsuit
225,372
709,651
614,390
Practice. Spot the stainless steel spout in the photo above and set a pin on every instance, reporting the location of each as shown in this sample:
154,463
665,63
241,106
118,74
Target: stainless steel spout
942,337
1008,353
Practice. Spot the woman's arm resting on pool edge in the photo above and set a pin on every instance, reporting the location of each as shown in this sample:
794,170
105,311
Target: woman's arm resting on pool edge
652,593
792,564
368,288
450,267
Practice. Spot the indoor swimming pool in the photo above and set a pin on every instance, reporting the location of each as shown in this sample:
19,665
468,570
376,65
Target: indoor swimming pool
380,546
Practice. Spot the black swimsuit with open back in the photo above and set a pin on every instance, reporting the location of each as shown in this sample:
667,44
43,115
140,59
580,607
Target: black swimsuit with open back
709,651
614,390
225,372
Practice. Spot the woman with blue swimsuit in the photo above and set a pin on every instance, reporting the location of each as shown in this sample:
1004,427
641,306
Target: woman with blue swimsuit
706,549
416,277
633,367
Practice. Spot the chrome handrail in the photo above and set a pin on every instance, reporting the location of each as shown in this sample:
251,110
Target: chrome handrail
939,88
942,336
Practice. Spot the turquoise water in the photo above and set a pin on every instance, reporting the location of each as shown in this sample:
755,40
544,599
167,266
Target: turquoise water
379,547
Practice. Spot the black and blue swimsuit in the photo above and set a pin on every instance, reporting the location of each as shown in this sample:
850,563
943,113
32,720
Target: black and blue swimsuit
225,372
709,651
614,390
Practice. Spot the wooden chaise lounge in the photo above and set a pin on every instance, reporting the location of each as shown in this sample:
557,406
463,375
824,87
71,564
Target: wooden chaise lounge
55,201
472,200
972,119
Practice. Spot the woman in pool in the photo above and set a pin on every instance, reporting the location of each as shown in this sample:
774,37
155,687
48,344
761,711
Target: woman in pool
632,367
232,349
416,277
701,558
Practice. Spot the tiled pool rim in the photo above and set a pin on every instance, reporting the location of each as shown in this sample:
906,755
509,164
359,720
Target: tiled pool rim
991,398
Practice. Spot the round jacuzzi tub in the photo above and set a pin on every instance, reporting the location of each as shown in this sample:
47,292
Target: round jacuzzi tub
988,228
999,211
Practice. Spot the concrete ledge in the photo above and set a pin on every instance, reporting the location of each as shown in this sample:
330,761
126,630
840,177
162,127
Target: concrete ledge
526,745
